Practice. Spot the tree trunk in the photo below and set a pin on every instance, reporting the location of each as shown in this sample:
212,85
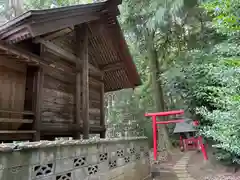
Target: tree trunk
157,90
17,6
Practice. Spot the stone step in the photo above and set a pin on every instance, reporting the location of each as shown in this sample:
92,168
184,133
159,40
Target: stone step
179,168
180,165
181,172
186,178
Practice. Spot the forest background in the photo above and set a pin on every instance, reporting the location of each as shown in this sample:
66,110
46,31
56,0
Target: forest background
188,55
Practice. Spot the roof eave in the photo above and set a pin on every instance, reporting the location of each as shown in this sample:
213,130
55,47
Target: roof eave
75,14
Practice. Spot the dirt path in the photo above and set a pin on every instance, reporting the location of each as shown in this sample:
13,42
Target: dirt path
180,168
191,166
165,169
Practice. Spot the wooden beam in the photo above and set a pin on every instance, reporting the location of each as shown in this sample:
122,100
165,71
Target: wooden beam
16,137
14,120
51,128
83,33
58,33
78,52
18,66
78,89
68,77
16,112
78,103
36,60
68,70
60,22
65,54
102,108
16,132
38,97
38,82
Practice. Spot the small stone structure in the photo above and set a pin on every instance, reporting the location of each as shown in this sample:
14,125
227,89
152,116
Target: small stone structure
105,159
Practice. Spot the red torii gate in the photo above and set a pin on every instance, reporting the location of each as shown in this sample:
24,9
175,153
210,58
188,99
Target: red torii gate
168,113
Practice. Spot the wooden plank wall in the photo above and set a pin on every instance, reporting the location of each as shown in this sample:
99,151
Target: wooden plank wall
12,93
58,97
57,101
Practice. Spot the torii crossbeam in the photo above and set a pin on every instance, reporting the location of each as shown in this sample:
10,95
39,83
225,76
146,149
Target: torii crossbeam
154,126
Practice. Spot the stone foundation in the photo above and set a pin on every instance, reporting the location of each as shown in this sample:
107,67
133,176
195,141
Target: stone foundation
118,159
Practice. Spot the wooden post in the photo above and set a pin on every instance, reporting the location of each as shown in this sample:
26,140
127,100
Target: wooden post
78,50
82,54
85,87
38,87
77,135
102,114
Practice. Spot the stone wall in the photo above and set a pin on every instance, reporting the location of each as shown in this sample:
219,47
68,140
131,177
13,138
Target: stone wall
115,159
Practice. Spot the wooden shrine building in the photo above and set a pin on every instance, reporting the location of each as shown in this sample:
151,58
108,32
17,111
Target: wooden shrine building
55,67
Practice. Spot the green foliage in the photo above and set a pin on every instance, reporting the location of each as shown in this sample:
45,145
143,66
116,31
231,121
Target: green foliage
198,64
206,77
44,4
225,15
209,82
37,4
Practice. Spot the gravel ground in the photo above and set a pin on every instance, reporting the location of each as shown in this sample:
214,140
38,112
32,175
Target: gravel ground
222,177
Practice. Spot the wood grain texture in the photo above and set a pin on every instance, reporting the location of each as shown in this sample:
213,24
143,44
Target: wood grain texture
58,103
85,81
38,101
11,120
12,94
102,109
